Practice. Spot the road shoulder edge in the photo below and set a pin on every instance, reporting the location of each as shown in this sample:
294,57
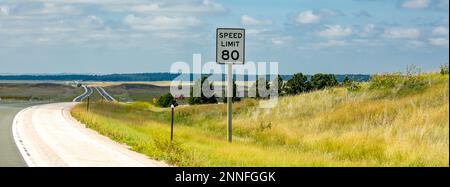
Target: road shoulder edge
19,143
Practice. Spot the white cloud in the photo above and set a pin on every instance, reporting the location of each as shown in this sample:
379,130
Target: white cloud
211,5
397,33
307,17
247,20
146,7
442,42
4,10
178,7
281,40
440,31
415,44
177,35
368,30
91,22
160,22
416,4
332,43
77,1
326,44
255,31
336,31
329,13
55,9
367,42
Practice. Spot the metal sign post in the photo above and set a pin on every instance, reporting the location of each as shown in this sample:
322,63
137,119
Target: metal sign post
171,124
229,101
230,49
87,106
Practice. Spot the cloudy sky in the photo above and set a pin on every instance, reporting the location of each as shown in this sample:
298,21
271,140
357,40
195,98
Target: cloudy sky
310,36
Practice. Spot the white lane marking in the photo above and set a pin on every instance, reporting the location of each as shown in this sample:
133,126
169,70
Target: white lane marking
85,92
107,94
17,139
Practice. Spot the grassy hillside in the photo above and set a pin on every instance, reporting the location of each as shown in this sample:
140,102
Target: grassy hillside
39,91
392,121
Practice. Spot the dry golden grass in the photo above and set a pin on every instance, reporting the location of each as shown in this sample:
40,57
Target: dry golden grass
405,124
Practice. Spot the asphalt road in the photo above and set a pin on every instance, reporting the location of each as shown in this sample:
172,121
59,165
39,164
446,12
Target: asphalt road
87,92
9,153
105,94
49,136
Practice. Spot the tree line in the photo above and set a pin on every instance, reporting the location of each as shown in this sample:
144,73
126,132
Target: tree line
297,84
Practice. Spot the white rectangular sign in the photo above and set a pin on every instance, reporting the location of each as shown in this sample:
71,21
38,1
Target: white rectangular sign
230,46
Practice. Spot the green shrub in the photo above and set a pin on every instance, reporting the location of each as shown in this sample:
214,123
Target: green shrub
297,84
413,83
234,98
278,82
346,81
385,81
166,100
256,87
444,69
401,84
141,105
202,99
353,86
320,81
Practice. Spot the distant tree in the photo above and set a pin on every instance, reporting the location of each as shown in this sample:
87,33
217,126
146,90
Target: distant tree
298,83
321,81
203,99
353,86
235,98
278,81
255,87
181,97
346,81
166,100
444,69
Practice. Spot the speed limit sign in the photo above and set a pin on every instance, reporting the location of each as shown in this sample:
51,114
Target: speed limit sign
230,49
230,46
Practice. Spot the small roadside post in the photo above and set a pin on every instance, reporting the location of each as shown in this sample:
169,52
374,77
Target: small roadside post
87,106
230,49
171,123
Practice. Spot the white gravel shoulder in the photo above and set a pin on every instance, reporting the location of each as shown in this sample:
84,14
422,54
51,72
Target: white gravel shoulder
48,136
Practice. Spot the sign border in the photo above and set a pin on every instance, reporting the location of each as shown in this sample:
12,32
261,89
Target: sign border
217,49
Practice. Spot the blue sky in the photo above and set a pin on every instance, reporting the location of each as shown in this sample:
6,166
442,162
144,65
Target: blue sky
310,36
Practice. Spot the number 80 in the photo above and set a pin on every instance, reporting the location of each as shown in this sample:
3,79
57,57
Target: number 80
226,55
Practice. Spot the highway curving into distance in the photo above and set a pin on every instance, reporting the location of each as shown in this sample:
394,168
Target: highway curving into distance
87,92
105,94
47,135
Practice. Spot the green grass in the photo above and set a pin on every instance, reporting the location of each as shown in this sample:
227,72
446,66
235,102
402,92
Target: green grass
39,91
402,124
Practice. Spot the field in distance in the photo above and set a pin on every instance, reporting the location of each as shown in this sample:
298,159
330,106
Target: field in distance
146,91
38,91
391,121
130,92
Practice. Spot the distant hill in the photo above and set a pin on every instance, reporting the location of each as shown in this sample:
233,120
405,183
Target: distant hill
140,77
